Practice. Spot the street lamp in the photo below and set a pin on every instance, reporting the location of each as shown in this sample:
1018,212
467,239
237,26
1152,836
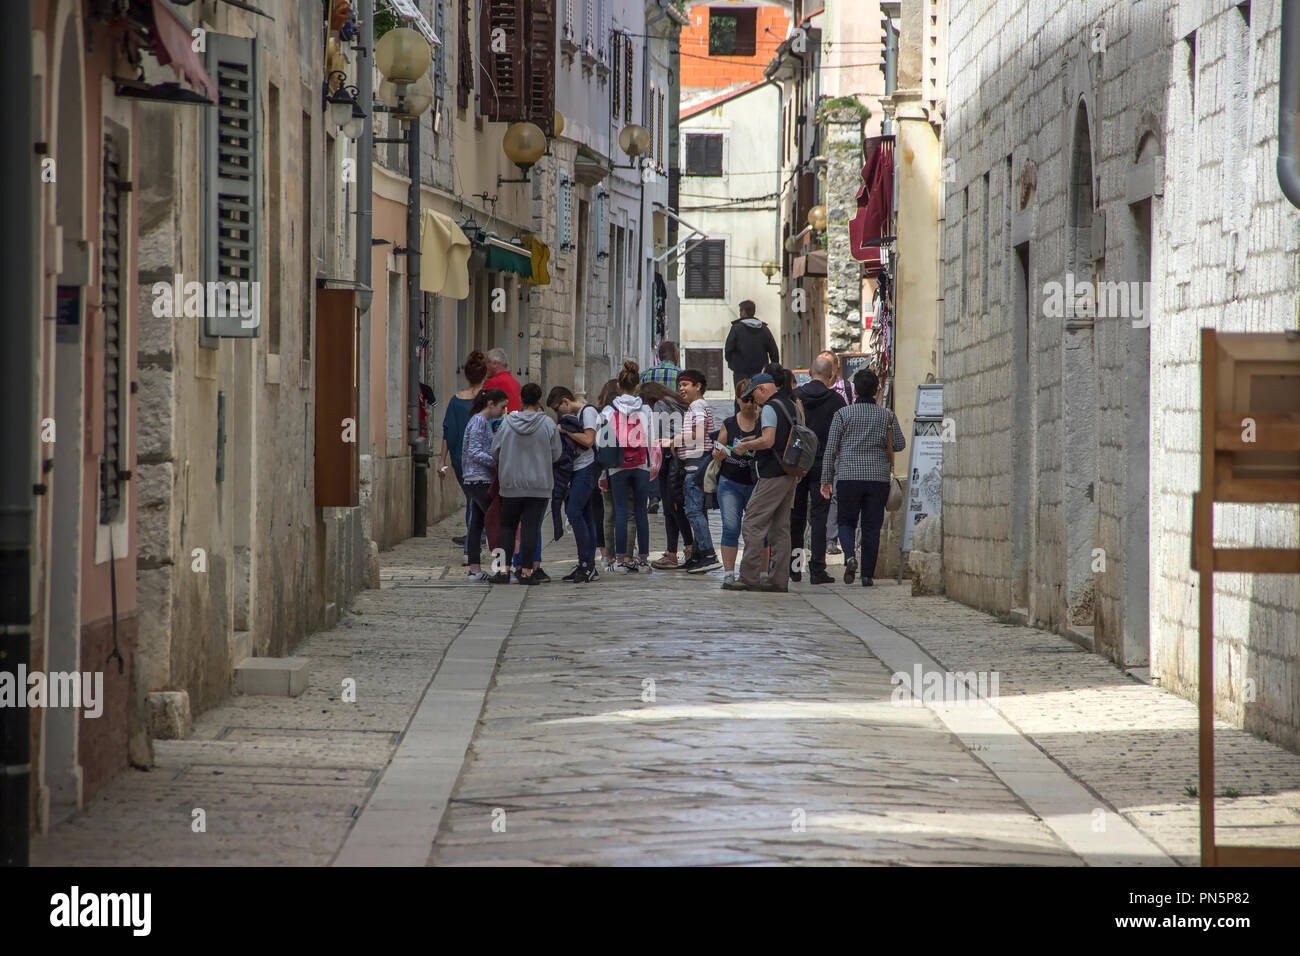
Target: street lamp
341,101
817,218
770,269
633,140
523,144
402,58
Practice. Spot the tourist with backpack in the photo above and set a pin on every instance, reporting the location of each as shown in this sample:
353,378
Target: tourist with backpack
820,401
750,345
624,447
668,412
691,449
579,424
786,450
857,467
525,450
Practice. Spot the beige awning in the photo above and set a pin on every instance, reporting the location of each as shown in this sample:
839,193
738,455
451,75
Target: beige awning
444,256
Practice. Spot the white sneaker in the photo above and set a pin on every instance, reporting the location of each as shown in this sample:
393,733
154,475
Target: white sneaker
477,575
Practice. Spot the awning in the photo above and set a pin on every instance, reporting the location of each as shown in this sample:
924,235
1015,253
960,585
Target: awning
444,254
813,264
541,253
504,256
173,46
872,222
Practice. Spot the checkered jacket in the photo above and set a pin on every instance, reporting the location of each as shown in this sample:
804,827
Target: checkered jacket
857,449
665,374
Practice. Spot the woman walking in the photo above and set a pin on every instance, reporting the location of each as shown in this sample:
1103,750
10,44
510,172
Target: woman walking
628,421
846,393
669,413
453,427
857,466
525,448
479,471
736,475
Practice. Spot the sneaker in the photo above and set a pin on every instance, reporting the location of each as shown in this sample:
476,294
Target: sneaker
773,588
610,566
690,564
665,563
708,562
501,577
458,539
593,575
738,585
796,575
477,576
850,569
644,562
530,580
820,577
628,567
540,576
573,575
867,582
581,575
728,578
833,546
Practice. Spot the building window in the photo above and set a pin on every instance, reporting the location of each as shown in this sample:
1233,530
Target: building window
708,361
706,270
732,31
518,82
703,154
616,76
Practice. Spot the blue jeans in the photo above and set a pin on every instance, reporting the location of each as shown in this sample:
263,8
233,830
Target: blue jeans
578,508
732,498
696,514
638,480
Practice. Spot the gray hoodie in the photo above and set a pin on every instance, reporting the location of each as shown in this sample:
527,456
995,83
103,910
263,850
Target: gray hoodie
525,447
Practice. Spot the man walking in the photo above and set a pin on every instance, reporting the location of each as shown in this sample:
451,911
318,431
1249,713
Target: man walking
666,372
768,513
750,344
820,403
498,370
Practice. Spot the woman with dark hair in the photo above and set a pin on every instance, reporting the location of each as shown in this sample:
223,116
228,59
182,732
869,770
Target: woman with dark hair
857,467
736,476
453,426
479,472
669,413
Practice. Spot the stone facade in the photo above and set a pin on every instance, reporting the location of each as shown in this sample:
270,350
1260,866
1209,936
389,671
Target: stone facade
1112,143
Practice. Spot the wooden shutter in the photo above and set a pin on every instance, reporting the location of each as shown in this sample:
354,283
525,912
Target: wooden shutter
649,154
601,248
704,154
602,32
111,273
569,31
232,175
503,83
541,64
564,217
705,263
464,57
663,130
616,76
337,397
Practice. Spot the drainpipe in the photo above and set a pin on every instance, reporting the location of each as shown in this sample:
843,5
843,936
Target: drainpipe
419,444
1288,105
18,388
365,198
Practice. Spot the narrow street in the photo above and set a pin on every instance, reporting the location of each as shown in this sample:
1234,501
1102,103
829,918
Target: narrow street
655,720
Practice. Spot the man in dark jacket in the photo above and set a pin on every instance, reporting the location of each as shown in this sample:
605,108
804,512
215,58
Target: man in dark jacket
820,403
750,344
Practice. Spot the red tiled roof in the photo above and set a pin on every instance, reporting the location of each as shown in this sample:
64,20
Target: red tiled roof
704,105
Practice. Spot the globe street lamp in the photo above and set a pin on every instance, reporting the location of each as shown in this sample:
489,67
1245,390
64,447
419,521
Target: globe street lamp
402,58
524,144
770,269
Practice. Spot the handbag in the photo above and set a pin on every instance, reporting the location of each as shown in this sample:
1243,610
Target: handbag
710,483
895,500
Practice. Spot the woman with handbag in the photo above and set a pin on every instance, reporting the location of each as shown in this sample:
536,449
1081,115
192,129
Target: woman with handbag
858,467
735,475
630,457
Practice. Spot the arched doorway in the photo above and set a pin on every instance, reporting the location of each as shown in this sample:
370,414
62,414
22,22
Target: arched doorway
1079,381
61,764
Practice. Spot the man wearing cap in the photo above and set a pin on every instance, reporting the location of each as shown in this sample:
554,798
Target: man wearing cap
768,513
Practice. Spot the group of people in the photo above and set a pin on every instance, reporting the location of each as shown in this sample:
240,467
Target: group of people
654,432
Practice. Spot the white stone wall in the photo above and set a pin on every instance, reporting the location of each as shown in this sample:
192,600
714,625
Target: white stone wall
1223,255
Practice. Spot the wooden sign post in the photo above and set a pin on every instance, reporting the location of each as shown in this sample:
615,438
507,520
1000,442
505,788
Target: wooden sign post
1250,452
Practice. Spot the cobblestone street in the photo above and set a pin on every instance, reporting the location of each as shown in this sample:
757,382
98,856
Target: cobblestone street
654,720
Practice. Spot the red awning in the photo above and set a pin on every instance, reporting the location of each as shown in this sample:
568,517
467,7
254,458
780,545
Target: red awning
875,200
173,46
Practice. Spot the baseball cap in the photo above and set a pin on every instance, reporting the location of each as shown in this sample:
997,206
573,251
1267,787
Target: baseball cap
762,378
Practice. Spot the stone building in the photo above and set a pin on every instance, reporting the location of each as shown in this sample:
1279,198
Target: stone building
1113,147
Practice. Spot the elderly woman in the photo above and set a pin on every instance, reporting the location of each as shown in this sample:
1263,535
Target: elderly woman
857,467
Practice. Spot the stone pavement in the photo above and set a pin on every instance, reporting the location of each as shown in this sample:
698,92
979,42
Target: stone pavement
651,719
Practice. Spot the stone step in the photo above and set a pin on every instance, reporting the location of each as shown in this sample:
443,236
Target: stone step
272,676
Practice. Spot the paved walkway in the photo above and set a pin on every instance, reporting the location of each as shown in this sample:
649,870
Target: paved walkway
660,721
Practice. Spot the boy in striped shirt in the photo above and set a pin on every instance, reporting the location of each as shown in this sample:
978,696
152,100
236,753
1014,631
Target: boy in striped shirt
692,449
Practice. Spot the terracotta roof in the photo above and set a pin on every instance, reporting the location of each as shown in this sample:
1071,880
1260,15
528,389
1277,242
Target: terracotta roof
704,105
